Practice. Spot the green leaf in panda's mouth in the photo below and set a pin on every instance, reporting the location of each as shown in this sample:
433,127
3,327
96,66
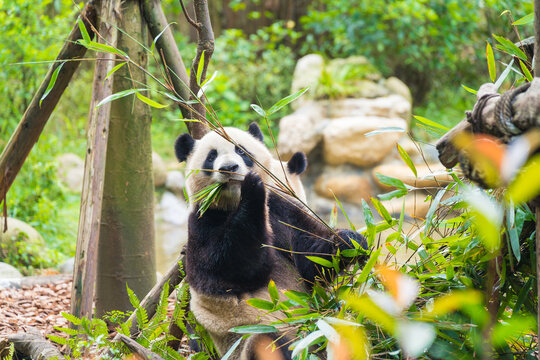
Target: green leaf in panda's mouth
207,196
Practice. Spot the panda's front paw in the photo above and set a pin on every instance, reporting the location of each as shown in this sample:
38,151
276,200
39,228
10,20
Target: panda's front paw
253,187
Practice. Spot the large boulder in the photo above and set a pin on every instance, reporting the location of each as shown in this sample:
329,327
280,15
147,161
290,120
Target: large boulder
396,86
175,181
353,68
345,140
392,106
434,175
346,187
302,130
159,170
21,242
307,73
9,272
70,171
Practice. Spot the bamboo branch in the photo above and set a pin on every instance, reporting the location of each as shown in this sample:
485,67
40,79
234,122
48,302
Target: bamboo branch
84,273
205,44
33,344
168,50
36,115
138,349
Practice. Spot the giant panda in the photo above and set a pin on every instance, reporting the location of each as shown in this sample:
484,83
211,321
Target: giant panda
227,261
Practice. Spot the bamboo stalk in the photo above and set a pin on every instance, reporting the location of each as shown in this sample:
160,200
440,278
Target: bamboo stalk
36,115
84,273
537,75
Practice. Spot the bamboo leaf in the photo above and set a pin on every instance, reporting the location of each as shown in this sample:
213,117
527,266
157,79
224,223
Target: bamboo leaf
153,46
491,62
392,194
149,101
233,347
381,210
118,95
526,185
84,32
254,329
114,69
305,342
286,100
259,110
54,76
273,291
384,130
260,304
472,91
430,123
407,159
369,266
390,181
526,71
99,47
200,67
509,47
320,261
527,19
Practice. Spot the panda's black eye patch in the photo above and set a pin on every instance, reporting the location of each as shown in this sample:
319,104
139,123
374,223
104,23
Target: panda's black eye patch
209,161
246,156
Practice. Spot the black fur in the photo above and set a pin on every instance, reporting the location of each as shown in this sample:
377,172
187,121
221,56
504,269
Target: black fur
299,235
183,146
224,252
209,161
298,163
255,130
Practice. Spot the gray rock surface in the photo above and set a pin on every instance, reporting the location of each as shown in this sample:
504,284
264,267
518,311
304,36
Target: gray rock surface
70,171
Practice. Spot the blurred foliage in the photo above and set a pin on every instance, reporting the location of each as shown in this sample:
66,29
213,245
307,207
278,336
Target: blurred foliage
429,44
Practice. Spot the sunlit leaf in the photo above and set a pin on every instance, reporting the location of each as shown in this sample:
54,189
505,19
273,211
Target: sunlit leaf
369,266
328,331
453,301
487,216
407,159
430,123
527,19
259,110
512,328
320,261
285,101
153,46
82,28
510,47
305,342
526,185
384,130
504,74
233,347
526,71
367,307
393,194
205,84
472,91
93,45
354,343
415,337
149,101
54,76
491,62
381,210
260,304
118,95
273,291
390,181
200,67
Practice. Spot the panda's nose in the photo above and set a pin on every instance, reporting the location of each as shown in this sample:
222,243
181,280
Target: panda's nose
230,168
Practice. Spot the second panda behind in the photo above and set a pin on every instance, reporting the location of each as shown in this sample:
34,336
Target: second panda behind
227,261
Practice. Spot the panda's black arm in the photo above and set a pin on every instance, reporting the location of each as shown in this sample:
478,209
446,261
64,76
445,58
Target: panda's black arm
250,219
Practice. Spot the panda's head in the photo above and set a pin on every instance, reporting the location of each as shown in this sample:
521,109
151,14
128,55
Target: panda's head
215,159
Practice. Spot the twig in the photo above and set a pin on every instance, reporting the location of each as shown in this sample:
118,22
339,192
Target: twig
138,349
188,18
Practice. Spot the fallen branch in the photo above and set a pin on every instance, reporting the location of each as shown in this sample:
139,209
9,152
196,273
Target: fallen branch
37,114
138,349
33,344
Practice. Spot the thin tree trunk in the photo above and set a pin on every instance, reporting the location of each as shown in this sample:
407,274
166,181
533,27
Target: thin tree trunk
126,252
84,273
537,74
36,115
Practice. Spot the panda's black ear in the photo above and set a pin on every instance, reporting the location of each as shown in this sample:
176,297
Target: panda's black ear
183,146
255,130
298,163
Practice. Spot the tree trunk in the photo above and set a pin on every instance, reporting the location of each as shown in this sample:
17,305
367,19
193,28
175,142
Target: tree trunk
126,243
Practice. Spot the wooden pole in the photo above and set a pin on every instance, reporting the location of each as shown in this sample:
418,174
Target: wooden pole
168,50
36,115
84,273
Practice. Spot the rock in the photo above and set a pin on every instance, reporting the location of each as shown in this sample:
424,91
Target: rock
351,188
392,106
345,140
396,86
67,266
302,130
415,206
9,272
353,68
433,176
21,238
307,72
175,181
159,170
172,209
70,171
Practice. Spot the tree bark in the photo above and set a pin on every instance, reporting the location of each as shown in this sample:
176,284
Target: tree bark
537,76
84,273
168,50
36,115
126,252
